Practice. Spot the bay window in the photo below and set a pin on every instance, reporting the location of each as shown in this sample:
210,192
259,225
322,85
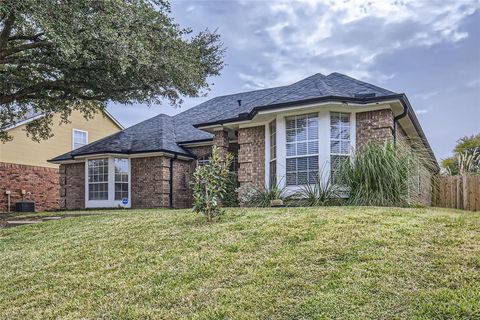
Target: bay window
301,149
339,141
107,182
98,179
273,153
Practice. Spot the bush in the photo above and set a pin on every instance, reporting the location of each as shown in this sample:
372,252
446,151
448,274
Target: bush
210,184
320,193
230,198
382,175
261,197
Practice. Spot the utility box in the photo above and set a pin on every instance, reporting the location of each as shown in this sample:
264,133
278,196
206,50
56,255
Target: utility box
25,206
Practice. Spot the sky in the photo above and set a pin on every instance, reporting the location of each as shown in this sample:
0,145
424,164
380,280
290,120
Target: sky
428,49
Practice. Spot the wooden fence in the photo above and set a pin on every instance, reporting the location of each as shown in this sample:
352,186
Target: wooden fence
460,192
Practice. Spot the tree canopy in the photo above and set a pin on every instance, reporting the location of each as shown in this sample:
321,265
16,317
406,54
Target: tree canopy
466,158
57,56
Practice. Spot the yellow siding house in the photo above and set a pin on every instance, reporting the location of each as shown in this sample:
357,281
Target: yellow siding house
25,173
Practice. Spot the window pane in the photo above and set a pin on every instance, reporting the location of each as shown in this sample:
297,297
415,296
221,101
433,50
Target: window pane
302,140
291,135
291,179
313,147
335,146
334,132
301,134
302,164
291,164
291,149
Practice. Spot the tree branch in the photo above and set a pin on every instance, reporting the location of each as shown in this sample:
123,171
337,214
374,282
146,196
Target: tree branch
6,30
22,37
23,47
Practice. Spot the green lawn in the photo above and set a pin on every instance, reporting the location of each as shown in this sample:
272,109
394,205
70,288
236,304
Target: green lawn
292,263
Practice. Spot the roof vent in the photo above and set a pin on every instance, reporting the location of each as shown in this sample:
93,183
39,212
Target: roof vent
239,103
365,95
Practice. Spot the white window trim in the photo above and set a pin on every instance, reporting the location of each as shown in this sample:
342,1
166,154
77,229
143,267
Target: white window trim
323,140
307,141
73,136
110,202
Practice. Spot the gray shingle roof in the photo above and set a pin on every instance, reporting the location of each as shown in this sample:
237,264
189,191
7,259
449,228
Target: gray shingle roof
163,133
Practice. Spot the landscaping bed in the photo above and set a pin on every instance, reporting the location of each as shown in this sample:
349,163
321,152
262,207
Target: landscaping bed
285,263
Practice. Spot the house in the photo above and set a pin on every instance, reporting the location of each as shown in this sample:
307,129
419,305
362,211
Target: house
24,165
279,135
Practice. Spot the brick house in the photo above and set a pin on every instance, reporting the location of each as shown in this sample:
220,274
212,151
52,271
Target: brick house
280,135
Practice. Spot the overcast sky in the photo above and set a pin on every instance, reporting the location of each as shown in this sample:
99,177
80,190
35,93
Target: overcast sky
428,49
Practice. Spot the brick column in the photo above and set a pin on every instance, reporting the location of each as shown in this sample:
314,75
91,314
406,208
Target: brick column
374,126
251,157
220,139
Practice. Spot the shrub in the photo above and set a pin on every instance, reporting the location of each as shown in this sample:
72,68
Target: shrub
210,184
320,193
230,198
382,175
261,197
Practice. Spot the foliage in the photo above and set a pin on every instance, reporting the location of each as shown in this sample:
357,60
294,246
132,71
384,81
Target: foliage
382,175
230,198
59,56
320,193
465,159
261,196
210,184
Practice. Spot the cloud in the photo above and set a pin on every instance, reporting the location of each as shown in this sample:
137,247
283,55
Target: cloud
421,111
425,95
345,36
475,83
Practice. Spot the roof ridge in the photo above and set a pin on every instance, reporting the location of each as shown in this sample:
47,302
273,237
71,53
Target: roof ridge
362,83
310,79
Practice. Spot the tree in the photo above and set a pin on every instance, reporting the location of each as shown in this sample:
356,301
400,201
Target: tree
466,158
60,56
210,184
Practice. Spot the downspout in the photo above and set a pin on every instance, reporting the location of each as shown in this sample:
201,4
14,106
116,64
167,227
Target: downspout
171,181
395,120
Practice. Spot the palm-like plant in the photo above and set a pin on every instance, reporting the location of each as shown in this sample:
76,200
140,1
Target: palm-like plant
320,193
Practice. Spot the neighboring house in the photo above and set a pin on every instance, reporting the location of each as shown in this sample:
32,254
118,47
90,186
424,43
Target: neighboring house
280,135
23,162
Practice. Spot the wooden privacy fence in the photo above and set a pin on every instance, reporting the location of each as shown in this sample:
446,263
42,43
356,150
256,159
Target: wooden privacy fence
460,192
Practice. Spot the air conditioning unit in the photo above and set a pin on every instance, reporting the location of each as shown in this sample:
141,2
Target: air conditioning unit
25,206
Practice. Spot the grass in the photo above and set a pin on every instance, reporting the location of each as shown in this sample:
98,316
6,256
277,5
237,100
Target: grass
289,263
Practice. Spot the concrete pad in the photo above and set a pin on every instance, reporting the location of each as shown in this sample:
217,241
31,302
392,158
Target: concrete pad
22,222
51,218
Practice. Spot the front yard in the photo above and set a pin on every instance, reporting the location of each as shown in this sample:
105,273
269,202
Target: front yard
333,262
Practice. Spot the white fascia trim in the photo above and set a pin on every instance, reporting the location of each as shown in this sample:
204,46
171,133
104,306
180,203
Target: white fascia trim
21,123
113,118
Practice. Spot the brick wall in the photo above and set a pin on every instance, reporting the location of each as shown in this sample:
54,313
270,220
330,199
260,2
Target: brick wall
182,178
150,182
374,126
72,186
251,156
40,183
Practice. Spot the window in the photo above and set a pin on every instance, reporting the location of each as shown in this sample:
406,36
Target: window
80,138
121,178
204,160
273,153
339,141
302,149
98,179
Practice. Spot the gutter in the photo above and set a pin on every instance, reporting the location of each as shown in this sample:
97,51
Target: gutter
170,199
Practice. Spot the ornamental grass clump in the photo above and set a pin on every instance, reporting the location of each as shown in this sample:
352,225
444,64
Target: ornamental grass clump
384,175
210,182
